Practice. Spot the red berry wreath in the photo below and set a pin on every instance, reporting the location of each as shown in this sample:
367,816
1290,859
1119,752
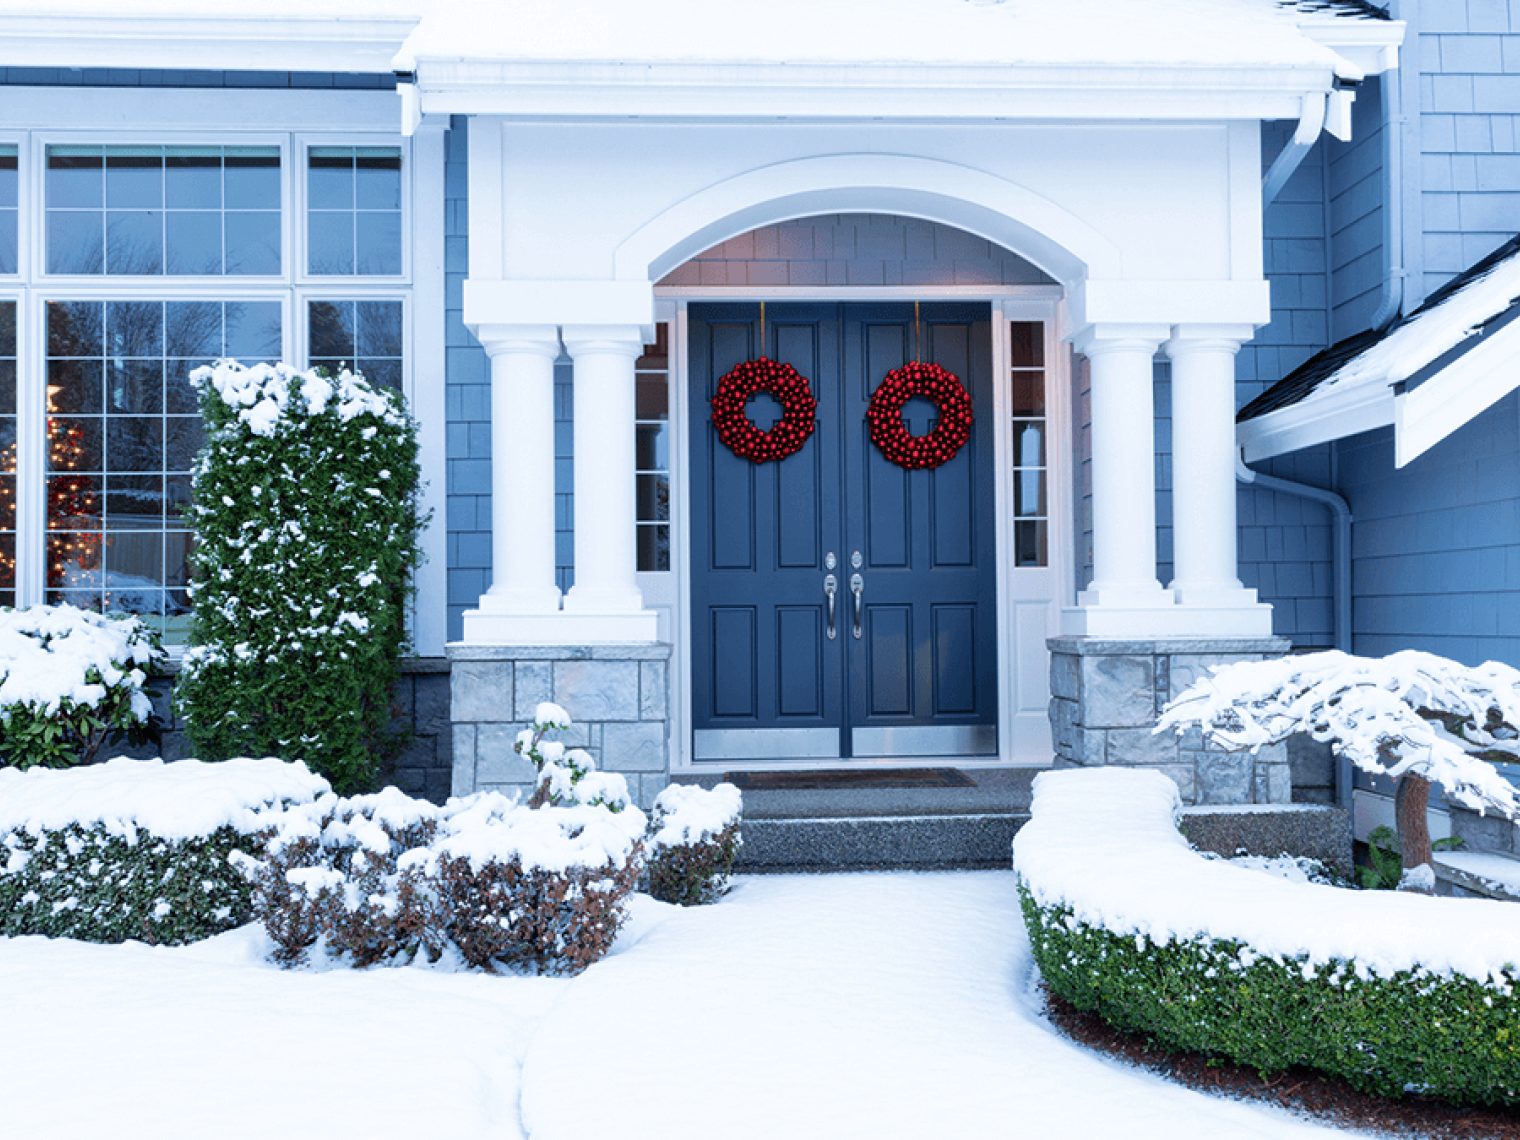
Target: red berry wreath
889,431
731,417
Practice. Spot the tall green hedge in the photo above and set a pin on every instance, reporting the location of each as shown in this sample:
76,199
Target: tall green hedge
306,522
1447,1036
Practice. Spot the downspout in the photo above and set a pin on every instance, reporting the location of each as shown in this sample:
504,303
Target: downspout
1311,121
1392,301
1340,578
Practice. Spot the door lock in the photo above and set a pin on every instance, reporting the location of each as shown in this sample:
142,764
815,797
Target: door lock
856,561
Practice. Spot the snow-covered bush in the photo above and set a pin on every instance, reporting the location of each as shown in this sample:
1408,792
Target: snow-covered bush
71,680
306,521
693,841
544,887
1412,716
565,775
382,878
1393,992
329,873
137,849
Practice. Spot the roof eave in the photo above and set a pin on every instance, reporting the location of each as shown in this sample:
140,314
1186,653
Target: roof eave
850,91
1321,418
1370,47
204,42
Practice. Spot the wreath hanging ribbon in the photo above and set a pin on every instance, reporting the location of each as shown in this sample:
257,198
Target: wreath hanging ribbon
730,415
889,431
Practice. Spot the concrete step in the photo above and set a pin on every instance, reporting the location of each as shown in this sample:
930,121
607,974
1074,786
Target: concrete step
945,841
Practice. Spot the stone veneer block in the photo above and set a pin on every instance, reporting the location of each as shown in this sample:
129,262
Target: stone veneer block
617,695
1107,693
1485,832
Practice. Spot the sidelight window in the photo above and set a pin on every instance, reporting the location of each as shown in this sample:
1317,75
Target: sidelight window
1031,475
652,396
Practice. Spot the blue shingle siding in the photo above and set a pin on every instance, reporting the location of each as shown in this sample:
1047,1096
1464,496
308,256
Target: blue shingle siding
1435,561
1356,190
1468,55
126,77
1285,543
467,403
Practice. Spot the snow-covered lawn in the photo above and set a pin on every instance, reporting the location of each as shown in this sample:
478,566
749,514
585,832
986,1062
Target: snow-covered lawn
896,1005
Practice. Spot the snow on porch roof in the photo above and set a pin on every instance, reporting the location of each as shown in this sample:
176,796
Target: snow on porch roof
1427,373
1099,33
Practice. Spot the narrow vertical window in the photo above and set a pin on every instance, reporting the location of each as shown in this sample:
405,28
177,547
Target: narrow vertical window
1031,514
365,336
353,211
652,452
9,204
7,453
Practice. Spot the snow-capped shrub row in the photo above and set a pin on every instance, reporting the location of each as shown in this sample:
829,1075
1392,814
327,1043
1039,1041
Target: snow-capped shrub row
1393,992
306,521
693,842
137,849
70,680
383,878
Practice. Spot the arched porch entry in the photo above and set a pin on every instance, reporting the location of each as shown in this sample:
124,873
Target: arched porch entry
962,571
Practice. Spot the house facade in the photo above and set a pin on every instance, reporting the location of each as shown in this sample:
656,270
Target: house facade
559,228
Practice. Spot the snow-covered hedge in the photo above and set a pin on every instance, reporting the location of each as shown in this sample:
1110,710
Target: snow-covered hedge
382,878
136,849
693,841
70,680
306,521
1393,992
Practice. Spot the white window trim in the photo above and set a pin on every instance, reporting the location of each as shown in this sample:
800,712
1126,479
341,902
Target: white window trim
33,117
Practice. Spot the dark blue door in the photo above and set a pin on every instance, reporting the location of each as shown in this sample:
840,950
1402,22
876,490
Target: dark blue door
903,662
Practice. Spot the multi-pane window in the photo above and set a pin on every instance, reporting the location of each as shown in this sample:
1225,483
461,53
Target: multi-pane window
1031,513
365,336
123,427
10,187
353,204
652,452
7,453
154,258
163,210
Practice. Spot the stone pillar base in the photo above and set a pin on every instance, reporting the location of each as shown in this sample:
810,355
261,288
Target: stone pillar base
1106,695
617,695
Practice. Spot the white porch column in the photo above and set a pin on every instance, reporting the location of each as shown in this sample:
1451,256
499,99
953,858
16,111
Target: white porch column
1203,480
1124,593
606,588
522,485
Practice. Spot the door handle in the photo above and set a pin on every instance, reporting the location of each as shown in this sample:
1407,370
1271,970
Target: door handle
857,587
830,588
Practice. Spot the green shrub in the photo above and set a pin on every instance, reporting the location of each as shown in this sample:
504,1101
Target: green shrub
306,523
1448,1036
86,883
137,849
72,680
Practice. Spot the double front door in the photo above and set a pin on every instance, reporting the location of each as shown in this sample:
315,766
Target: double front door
842,606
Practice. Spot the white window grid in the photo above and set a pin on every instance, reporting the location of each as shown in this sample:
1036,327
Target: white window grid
31,288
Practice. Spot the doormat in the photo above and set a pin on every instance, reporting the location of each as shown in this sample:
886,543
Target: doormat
847,779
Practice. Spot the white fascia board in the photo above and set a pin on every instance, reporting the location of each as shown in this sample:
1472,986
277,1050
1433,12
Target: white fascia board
1370,47
1319,419
1471,384
875,91
198,109
204,42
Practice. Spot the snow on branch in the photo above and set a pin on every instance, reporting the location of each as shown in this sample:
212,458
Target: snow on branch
1409,712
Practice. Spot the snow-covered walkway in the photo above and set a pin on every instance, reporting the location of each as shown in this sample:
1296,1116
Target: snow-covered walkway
871,1005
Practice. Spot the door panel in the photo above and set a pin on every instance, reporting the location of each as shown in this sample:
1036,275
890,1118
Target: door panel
927,540
758,544
768,682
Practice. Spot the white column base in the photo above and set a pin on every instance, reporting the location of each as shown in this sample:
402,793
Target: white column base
1168,621
1126,595
1213,595
520,600
482,627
